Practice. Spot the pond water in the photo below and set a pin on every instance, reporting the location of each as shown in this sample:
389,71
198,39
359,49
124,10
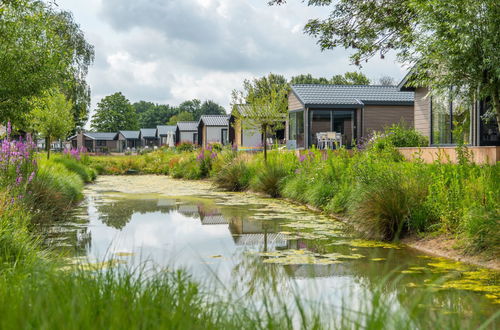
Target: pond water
242,243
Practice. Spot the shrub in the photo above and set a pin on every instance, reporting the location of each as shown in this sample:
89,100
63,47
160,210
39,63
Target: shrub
384,207
268,178
401,135
234,175
185,147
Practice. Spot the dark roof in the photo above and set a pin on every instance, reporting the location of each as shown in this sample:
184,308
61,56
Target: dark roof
148,132
187,126
164,129
215,120
101,136
351,95
130,135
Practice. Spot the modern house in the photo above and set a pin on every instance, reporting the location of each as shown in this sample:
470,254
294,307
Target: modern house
246,136
95,141
166,135
186,131
148,137
213,129
445,119
128,140
344,113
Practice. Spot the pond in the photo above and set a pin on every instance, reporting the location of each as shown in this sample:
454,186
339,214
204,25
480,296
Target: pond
242,243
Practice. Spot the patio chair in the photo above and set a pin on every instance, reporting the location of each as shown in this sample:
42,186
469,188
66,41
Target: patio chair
322,139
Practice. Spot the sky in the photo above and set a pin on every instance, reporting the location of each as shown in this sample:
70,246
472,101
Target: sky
169,51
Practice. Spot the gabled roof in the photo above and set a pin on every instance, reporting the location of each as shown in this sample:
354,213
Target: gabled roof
101,136
164,129
214,120
130,135
148,132
350,95
187,126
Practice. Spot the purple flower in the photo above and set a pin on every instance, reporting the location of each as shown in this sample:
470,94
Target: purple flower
302,158
213,155
32,175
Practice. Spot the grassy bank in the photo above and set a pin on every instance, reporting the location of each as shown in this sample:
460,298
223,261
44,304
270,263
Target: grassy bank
381,195
38,290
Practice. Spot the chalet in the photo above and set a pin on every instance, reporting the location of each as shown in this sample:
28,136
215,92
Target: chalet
95,141
129,140
333,115
149,137
166,135
186,131
441,117
213,129
245,135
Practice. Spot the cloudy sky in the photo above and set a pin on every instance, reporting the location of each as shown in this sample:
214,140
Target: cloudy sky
167,51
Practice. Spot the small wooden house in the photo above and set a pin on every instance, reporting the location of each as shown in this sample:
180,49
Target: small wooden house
128,140
213,129
95,141
345,112
166,135
186,131
149,137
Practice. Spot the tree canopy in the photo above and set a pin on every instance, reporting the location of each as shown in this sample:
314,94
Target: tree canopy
42,48
265,101
150,114
115,113
51,116
448,43
348,78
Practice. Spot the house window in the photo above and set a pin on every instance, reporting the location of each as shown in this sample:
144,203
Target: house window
489,133
296,127
101,143
450,119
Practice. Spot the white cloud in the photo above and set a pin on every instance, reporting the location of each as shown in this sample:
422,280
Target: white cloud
169,51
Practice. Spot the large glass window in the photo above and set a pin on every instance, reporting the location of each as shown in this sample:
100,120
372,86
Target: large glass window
296,128
338,121
451,119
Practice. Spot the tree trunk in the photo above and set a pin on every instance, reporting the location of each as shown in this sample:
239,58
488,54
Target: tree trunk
264,133
496,105
47,147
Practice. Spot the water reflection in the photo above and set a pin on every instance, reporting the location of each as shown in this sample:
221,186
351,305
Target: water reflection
213,239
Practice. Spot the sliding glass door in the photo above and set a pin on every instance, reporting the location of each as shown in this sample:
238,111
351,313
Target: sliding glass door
338,121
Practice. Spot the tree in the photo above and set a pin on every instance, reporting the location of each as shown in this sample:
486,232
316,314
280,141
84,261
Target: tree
266,104
448,43
211,108
115,113
41,48
387,81
151,115
51,116
308,79
182,116
350,78
191,106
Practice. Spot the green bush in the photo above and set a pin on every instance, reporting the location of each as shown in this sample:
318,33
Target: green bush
234,176
401,135
185,147
54,190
